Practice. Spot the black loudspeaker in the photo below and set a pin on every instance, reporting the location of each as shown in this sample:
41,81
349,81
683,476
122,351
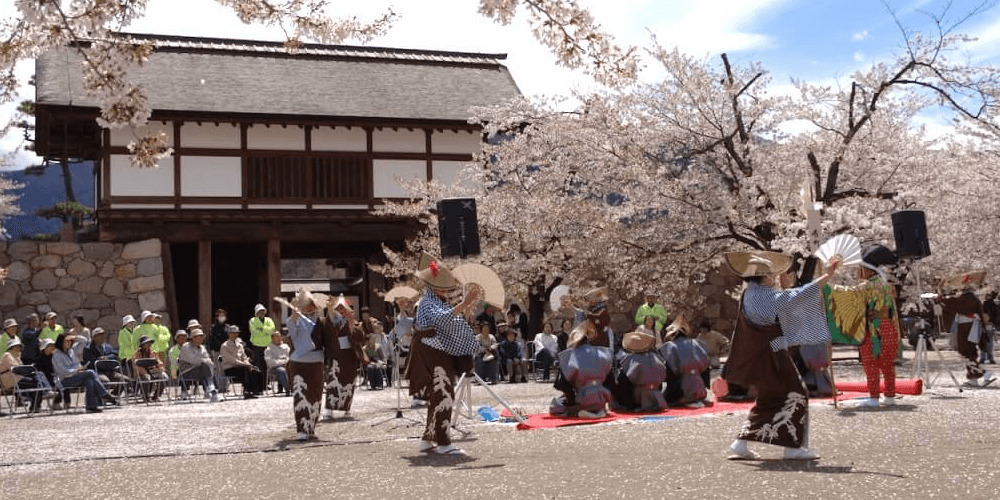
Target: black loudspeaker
910,230
458,227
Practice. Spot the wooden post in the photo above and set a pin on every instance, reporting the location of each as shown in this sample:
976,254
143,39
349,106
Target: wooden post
205,282
273,270
170,289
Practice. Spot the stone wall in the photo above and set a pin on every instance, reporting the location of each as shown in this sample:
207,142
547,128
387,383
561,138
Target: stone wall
100,281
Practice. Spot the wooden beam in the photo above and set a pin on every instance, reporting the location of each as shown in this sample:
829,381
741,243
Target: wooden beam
205,282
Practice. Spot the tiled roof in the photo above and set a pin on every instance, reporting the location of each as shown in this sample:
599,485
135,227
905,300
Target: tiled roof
240,76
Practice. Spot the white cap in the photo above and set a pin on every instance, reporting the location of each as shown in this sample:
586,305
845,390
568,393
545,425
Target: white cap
258,308
127,319
144,315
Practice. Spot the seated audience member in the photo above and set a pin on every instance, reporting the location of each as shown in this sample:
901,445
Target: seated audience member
511,355
195,364
46,350
78,327
72,374
582,369
9,333
276,357
716,344
173,353
563,336
236,363
487,364
648,327
156,374
546,348
51,329
375,367
687,367
8,379
98,349
29,337
644,370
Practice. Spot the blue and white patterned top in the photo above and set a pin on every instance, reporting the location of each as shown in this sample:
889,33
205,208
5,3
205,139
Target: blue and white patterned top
453,335
799,311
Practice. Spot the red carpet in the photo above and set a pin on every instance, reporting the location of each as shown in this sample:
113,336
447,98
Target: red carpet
547,421
909,386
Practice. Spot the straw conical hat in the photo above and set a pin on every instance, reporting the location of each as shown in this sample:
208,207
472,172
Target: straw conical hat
638,341
757,263
435,275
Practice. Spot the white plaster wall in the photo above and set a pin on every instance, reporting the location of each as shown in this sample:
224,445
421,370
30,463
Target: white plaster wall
291,137
123,136
401,140
127,180
210,135
446,172
339,139
389,175
219,176
456,141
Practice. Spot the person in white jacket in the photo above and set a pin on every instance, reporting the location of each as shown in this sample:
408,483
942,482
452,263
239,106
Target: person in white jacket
276,356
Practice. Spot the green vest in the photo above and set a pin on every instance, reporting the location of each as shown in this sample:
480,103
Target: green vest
261,330
148,329
128,343
4,338
51,333
161,339
172,356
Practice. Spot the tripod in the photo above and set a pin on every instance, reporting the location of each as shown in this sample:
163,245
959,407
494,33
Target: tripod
920,366
463,398
399,397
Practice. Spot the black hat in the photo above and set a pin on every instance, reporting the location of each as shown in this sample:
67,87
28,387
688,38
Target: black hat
878,255
144,340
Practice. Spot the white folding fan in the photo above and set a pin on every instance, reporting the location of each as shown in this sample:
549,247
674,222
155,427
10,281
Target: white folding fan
844,246
555,298
478,275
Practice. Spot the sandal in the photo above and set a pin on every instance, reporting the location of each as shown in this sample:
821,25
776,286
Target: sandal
426,446
450,450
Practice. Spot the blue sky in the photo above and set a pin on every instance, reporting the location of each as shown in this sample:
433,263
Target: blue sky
820,40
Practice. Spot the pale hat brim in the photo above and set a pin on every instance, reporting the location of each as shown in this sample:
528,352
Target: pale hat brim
638,342
757,263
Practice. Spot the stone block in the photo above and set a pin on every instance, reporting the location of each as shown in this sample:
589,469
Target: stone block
142,249
96,252
125,271
126,306
22,250
90,316
4,260
107,270
96,301
153,301
42,309
62,248
149,267
113,288
110,323
18,271
34,298
67,282
9,292
90,286
81,268
60,272
46,262
44,280
145,284
21,314
64,300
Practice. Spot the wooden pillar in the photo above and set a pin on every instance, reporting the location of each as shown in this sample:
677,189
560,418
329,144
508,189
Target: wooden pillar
170,289
273,270
205,282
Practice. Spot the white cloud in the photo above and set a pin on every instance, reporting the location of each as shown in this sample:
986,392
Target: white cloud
859,36
714,26
859,56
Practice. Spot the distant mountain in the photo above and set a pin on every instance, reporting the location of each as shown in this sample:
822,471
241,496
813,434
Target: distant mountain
45,190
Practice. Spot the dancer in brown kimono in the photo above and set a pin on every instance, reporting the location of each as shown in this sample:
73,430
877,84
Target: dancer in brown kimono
769,321
344,357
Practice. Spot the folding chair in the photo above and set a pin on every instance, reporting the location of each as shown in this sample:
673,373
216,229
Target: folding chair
67,393
143,386
27,394
115,387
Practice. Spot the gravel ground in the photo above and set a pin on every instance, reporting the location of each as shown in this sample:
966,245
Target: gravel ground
941,444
